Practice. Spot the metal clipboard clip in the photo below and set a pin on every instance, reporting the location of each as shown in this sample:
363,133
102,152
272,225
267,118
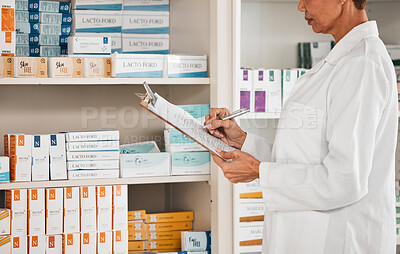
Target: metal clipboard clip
149,97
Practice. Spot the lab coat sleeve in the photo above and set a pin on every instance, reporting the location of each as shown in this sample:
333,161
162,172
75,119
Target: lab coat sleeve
258,147
356,100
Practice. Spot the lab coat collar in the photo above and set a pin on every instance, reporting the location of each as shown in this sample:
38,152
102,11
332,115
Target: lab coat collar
351,39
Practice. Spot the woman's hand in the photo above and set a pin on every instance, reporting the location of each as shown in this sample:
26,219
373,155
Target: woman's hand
243,168
228,130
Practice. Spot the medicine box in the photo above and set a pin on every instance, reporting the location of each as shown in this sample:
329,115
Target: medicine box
65,67
7,43
176,141
66,19
289,78
97,67
51,40
50,51
54,211
104,208
137,66
245,89
136,231
259,90
50,18
136,246
137,215
6,67
191,163
19,244
49,6
120,242
120,207
7,22
146,5
84,165
27,39
30,67
28,50
145,164
93,21
196,241
40,157
169,217
55,29
20,157
115,5
22,16
145,22
274,91
100,155
79,45
53,244
163,235
27,28
104,242
21,5
58,157
145,43
250,190
251,210
89,242
181,66
250,233
92,136
36,244
71,210
141,147
5,221
16,201
4,169
163,244
92,146
169,226
88,209
93,174
116,42
5,244
71,243
36,212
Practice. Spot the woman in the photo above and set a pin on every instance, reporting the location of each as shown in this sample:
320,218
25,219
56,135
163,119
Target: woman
328,179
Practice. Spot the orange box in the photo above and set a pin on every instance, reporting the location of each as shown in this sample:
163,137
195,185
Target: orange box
37,244
19,245
53,244
166,235
137,215
169,217
172,226
136,246
20,158
6,71
136,231
163,244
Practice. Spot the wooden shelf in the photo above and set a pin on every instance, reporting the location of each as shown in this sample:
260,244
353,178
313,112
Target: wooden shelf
116,181
102,81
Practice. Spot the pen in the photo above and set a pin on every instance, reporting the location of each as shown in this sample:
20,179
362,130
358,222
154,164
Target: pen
234,114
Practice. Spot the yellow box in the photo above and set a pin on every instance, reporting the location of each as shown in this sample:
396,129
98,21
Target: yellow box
167,235
136,246
251,195
30,67
172,226
163,244
6,67
137,235
136,215
169,217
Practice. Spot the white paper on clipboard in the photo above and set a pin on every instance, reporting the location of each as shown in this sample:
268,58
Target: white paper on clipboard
186,123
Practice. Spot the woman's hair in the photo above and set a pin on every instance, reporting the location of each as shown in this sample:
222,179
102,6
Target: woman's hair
360,4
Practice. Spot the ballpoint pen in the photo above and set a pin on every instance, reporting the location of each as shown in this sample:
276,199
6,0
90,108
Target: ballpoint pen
234,114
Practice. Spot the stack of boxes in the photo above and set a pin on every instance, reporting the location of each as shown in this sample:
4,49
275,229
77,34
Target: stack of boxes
93,154
7,28
42,28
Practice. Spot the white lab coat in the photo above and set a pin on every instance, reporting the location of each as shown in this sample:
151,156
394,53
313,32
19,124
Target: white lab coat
328,179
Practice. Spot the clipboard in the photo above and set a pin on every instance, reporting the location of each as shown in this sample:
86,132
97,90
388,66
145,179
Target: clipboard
150,99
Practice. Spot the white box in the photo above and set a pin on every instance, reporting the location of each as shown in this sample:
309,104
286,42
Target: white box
245,89
93,174
289,78
259,93
97,5
145,43
53,244
58,157
99,155
78,136
146,5
21,160
37,244
54,211
274,91
4,169
120,207
191,163
30,67
93,146
89,243
141,147
7,43
36,212
145,164
249,207
19,244
176,141
196,241
5,221
251,189
5,244
104,242
71,210
104,208
88,209
116,40
137,66
71,243
120,242
65,67
78,45
16,201
250,231
89,21
145,22
181,66
320,50
97,67
84,165
40,157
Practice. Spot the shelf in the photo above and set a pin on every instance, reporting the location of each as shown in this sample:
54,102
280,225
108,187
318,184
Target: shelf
259,116
103,81
116,181
250,249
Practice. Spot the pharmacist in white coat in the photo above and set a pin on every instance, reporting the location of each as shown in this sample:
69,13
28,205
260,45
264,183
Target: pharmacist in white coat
328,179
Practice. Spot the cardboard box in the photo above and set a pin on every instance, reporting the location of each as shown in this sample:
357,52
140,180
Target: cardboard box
7,43
137,66
89,21
37,244
274,91
107,5
163,235
104,208
186,66
142,147
97,67
146,5
136,246
6,67
250,233
191,163
93,174
245,89
79,136
104,242
20,158
89,155
71,210
79,45
169,226
163,244
40,157
93,146
196,241
289,78
145,22
259,90
176,141
145,43
89,242
250,190
4,169
145,164
169,217
65,67
137,215
5,221
58,157
120,207
88,209
36,212
71,243
30,67
120,242
16,201
54,244
54,211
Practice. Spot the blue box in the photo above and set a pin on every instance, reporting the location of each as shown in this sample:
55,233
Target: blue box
34,50
33,17
67,19
66,30
33,5
63,40
65,7
64,50
33,39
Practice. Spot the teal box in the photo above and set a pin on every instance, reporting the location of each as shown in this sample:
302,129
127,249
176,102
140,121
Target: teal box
66,19
4,169
197,111
142,147
21,5
191,163
50,51
27,28
33,5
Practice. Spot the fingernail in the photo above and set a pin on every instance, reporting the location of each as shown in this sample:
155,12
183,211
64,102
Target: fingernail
209,126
